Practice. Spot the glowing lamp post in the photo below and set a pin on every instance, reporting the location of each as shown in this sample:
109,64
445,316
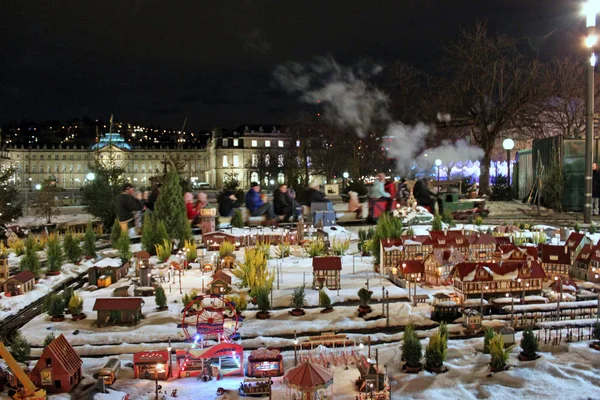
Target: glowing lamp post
438,164
345,175
508,145
90,176
169,353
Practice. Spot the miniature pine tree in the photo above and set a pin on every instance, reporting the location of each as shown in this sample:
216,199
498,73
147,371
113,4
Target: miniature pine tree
123,247
153,233
364,296
54,305
411,347
89,242
30,260
478,221
20,348
388,227
187,297
487,336
262,299
436,224
577,228
298,298
410,231
434,357
253,272
75,304
71,247
170,208
324,300
160,297
54,254
529,343
237,220
499,353
593,228
48,339
443,329
67,293
115,233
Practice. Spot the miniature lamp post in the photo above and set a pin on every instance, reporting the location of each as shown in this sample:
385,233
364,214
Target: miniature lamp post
345,175
508,144
482,290
169,353
387,296
560,295
295,349
512,309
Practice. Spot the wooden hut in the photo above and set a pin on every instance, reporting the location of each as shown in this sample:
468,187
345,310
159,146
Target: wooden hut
59,368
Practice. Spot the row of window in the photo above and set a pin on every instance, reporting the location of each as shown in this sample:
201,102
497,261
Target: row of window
254,143
534,283
254,160
129,168
90,156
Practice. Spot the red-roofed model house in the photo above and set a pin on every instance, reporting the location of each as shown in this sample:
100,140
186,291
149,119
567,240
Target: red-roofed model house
556,260
593,274
118,310
439,264
59,368
327,272
20,283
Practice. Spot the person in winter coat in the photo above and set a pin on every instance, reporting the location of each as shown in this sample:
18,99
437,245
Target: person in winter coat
595,189
228,204
255,204
284,204
313,195
403,192
425,197
378,191
390,187
126,205
191,210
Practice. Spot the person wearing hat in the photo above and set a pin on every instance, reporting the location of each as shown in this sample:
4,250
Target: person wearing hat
313,195
256,206
125,205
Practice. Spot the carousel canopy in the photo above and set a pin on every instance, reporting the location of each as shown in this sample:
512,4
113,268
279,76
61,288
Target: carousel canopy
308,377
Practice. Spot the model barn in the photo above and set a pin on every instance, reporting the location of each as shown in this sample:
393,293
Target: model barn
20,283
118,310
59,368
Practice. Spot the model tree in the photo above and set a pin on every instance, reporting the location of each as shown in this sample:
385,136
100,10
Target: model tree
499,354
48,339
436,224
160,298
154,232
435,352
297,301
54,255
364,296
10,207
46,205
75,305
71,247
443,329
253,272
387,227
411,348
30,260
263,302
20,348
55,306
89,242
170,208
237,220
325,301
123,247
529,344
487,336
115,233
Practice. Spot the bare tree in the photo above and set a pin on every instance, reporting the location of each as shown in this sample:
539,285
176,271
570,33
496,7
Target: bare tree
491,83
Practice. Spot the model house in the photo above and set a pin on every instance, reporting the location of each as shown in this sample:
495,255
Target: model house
221,283
556,260
327,272
439,263
20,283
59,368
118,310
111,268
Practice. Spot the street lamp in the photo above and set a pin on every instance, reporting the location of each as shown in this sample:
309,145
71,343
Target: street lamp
90,176
590,9
345,175
438,164
38,186
169,354
508,145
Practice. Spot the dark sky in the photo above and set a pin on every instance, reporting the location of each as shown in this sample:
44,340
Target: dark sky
158,61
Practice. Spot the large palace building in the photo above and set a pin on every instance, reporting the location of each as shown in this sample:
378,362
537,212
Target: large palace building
236,151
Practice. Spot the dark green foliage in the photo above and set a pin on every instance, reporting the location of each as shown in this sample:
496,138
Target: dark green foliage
115,233
529,343
46,205
123,246
237,221
364,295
500,188
71,247
54,254
433,352
593,228
170,208
388,227
324,300
436,224
443,329
89,242
553,186
48,339
577,228
10,207
30,260
298,297
98,195
447,218
66,295
262,298
153,232
522,225
20,348
487,336
412,350
160,297
54,305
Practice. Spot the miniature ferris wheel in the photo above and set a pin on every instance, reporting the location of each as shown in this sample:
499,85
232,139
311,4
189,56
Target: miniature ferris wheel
209,315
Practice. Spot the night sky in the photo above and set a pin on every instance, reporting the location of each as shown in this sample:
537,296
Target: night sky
157,62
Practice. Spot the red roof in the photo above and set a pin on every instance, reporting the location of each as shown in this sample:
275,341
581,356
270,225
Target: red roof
391,242
329,263
531,269
555,285
153,356
23,276
554,254
585,253
222,276
308,376
482,238
411,267
61,351
574,239
118,303
142,255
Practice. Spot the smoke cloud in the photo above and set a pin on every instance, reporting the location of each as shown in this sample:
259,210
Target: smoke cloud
352,103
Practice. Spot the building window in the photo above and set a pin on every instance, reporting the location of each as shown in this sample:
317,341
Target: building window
267,143
236,160
236,142
225,143
280,178
280,160
254,160
254,176
255,143
297,143
225,162
267,159
280,143
41,156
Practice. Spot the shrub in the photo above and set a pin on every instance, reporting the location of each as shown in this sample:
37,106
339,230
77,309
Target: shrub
448,218
20,348
553,186
48,339
529,343
160,297
478,220
433,352
577,228
499,353
115,233
54,305
253,272
283,250
89,242
17,246
153,233
262,298
265,247
412,350
163,251
436,224
71,247
66,294
522,225
387,227
487,336
191,253
237,220
240,302
324,300
226,248
187,297
340,247
593,228
298,297
123,246
364,295
409,231
54,254
315,248
30,260
443,329
75,304
170,208
500,189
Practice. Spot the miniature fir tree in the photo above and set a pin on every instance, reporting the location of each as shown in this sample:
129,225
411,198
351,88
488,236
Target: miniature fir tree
593,228
20,348
577,228
436,224
54,305
387,227
170,208
411,347
160,298
123,247
54,254
487,336
364,296
48,339
324,300
10,207
153,233
298,298
115,233
46,205
443,329
253,271
188,297
262,299
30,260
434,357
71,247
529,344
67,293
499,353
75,304
237,220
89,241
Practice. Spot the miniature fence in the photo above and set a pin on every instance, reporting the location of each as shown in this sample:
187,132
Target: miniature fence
577,330
527,315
